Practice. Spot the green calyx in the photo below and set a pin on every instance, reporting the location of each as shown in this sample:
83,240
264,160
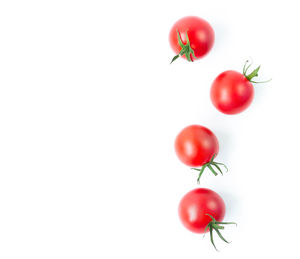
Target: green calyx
253,74
185,49
215,225
212,166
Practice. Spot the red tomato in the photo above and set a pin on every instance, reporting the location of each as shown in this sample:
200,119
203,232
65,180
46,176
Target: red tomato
194,206
195,39
196,145
231,92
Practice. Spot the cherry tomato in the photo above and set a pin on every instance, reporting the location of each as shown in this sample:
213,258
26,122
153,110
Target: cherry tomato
191,38
196,204
196,145
232,92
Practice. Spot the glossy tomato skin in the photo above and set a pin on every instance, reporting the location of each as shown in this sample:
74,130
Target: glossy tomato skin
195,145
200,33
195,204
231,92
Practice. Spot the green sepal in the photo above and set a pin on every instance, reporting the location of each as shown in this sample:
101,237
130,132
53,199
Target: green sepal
215,225
253,74
185,49
210,165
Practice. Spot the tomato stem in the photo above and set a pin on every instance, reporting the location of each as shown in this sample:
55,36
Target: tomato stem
185,49
253,74
215,225
210,165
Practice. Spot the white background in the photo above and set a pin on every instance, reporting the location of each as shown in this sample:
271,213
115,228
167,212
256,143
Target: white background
90,108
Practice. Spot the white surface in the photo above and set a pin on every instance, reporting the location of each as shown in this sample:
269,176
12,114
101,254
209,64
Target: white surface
90,107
